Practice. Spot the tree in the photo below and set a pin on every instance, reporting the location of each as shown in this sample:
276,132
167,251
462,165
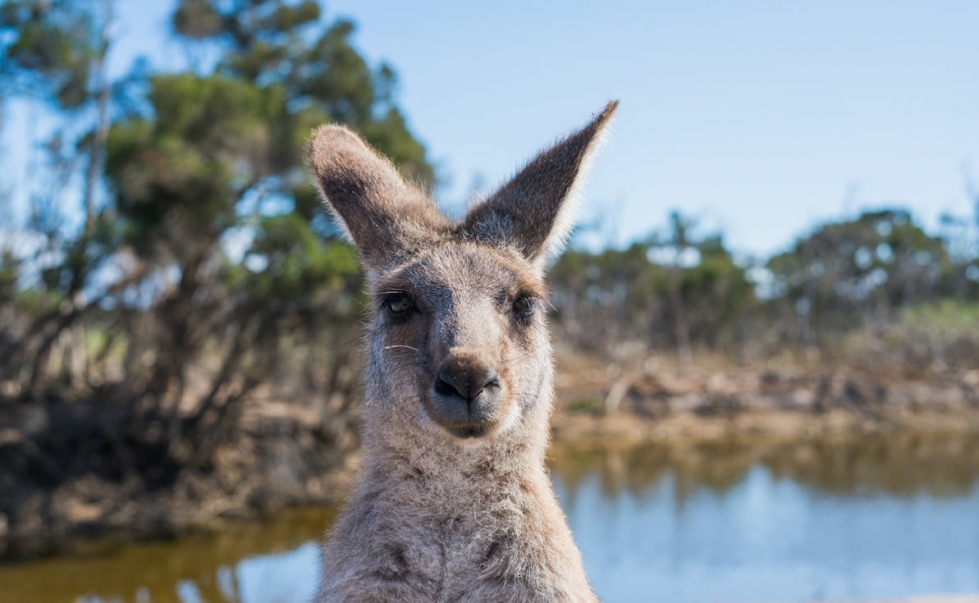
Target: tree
677,243
210,269
58,53
676,290
847,272
274,42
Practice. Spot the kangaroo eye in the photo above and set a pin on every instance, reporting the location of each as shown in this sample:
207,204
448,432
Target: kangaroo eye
398,304
524,306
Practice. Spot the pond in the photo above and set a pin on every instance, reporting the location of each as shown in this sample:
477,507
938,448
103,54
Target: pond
870,517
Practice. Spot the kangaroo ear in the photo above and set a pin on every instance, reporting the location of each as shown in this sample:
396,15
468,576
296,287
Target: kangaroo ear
384,216
534,211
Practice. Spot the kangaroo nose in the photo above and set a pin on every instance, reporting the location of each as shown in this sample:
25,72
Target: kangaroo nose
466,382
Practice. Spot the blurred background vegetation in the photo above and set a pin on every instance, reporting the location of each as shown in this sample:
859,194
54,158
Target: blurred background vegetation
176,267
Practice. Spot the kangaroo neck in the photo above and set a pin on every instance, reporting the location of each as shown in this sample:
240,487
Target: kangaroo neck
502,459
430,468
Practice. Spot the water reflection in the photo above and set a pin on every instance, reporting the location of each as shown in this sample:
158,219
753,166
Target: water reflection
739,521
762,521
275,562
898,465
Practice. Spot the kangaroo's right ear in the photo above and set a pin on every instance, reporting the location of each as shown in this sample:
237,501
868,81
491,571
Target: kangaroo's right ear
533,212
385,217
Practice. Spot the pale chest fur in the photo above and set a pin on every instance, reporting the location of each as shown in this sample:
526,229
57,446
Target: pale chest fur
407,537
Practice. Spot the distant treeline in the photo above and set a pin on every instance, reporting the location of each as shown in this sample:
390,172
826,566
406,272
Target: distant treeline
879,275
176,261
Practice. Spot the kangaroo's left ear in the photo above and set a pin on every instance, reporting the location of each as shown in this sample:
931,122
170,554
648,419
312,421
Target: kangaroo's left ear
387,218
534,211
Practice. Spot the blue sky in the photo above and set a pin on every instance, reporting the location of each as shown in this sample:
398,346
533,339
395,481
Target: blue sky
757,117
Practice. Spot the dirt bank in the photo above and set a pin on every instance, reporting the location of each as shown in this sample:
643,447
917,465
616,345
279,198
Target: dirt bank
71,473
598,401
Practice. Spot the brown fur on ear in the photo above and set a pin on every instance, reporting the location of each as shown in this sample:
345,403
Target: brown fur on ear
534,211
384,216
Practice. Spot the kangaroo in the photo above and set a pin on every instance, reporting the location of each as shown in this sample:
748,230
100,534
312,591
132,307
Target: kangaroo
454,502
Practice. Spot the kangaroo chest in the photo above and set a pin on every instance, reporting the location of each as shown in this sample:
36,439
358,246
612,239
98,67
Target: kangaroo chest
442,540
478,533
467,548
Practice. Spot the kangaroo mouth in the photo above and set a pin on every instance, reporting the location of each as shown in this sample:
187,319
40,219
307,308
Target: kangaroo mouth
470,431
464,427
465,419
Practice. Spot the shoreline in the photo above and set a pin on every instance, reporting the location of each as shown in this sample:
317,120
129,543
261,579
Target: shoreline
282,458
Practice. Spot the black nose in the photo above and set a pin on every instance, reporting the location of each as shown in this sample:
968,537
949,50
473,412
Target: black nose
466,382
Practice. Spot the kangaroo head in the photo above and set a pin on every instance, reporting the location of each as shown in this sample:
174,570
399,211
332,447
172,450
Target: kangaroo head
458,344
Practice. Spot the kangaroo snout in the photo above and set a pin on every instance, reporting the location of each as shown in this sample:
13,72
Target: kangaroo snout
466,382
466,394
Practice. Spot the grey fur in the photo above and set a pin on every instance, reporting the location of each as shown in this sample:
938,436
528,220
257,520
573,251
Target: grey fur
438,516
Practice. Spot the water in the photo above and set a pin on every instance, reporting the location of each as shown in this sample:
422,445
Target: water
761,521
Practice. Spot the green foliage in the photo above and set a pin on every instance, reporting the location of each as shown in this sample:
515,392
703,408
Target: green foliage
718,293
843,271
209,141
932,338
948,317
9,274
648,294
586,406
274,42
54,43
299,266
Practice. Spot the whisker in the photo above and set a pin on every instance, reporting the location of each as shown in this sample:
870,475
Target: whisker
517,358
389,347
